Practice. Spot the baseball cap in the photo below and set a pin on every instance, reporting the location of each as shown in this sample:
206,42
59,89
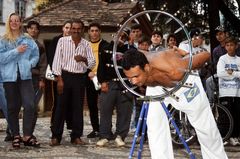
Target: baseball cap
194,32
219,29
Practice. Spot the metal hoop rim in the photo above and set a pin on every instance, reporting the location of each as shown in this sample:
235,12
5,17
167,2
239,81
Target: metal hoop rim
180,83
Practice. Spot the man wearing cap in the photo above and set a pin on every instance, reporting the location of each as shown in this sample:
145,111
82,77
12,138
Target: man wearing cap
197,41
197,45
219,50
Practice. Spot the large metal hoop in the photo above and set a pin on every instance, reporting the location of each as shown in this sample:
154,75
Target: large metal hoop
168,92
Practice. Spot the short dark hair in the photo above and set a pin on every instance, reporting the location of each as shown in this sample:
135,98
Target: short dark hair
144,39
231,39
157,32
136,26
95,24
66,22
171,36
132,58
78,21
32,22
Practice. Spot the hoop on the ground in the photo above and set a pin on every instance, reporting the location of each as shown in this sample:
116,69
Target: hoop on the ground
168,24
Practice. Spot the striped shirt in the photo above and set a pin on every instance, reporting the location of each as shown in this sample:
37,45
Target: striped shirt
64,56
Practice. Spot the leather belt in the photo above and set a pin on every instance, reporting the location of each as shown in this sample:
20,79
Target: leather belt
72,73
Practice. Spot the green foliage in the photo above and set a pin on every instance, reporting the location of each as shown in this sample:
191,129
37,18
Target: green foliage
47,4
193,13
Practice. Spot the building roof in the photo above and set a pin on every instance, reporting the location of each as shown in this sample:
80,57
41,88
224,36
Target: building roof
107,14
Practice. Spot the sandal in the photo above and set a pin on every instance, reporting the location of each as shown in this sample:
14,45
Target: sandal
31,141
16,141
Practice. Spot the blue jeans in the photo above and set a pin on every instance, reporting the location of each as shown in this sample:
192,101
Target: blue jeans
3,102
37,96
20,93
3,106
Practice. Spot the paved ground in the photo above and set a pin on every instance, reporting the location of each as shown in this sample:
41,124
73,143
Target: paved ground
89,151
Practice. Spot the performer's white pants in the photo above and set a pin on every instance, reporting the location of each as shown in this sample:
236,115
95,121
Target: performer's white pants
194,103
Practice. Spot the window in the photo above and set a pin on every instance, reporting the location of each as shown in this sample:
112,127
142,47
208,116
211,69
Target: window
20,7
1,10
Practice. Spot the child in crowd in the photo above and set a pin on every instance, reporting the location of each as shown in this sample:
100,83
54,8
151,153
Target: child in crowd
228,72
144,44
171,41
156,40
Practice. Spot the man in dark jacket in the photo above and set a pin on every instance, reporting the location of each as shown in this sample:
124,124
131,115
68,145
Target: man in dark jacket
51,52
38,72
92,90
112,95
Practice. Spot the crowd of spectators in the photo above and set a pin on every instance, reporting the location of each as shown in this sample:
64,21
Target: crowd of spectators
83,68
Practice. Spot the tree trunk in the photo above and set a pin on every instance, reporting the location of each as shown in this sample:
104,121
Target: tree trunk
229,16
213,21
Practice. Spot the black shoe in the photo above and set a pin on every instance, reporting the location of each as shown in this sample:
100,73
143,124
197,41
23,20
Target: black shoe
93,134
9,137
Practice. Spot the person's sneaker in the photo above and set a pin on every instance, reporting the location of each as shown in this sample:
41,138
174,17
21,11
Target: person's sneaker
238,143
93,134
225,143
102,142
234,141
119,142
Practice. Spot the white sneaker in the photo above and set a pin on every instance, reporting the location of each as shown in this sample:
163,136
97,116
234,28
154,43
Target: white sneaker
238,139
234,141
225,143
238,143
119,142
102,142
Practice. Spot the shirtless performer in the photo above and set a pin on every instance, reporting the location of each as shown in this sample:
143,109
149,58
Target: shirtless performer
165,69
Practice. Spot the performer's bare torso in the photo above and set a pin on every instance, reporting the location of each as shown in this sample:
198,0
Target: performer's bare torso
168,67
165,68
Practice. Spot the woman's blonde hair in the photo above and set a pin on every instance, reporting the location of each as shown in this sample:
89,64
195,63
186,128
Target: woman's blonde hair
9,35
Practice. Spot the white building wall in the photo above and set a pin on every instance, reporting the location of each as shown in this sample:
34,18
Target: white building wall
29,7
9,7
